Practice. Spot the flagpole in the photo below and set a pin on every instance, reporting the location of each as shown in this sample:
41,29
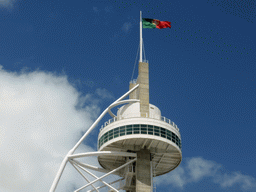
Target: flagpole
140,36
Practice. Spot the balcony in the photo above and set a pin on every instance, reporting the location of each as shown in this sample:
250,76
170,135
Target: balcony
166,120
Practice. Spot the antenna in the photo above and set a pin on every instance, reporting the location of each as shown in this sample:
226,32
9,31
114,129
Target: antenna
141,36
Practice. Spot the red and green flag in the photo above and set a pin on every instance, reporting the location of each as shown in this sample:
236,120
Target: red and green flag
155,23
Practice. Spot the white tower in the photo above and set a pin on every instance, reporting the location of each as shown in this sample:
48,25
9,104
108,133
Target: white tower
137,144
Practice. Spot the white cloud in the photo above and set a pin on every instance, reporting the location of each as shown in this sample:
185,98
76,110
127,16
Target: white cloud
39,123
103,93
200,168
246,182
196,169
6,3
176,178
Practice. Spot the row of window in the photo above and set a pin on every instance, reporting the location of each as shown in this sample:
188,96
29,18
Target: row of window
139,129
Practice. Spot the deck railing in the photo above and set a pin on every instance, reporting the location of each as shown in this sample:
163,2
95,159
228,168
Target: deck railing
162,119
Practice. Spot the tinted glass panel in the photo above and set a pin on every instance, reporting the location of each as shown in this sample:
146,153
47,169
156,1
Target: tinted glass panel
135,129
150,132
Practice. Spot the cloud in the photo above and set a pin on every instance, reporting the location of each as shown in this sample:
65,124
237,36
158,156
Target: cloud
196,169
6,3
103,93
39,123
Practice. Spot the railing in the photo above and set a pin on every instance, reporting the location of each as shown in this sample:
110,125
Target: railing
145,61
162,119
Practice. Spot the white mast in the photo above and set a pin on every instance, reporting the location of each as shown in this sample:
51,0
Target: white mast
140,36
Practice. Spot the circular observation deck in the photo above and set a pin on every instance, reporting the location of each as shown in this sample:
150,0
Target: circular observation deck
130,132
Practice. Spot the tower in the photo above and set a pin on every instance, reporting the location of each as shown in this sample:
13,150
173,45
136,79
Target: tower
140,128
136,144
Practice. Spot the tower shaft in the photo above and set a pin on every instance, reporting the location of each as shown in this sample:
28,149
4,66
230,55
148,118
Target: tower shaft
143,92
143,171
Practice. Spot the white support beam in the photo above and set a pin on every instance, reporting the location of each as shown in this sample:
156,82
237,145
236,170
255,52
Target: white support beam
65,160
159,161
90,166
107,174
105,185
150,144
144,143
120,103
101,153
83,176
95,176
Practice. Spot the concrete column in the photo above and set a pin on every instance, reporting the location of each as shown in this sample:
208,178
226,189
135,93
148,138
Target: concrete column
133,95
143,90
143,171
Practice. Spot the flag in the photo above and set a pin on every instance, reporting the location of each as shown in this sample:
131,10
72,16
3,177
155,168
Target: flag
155,23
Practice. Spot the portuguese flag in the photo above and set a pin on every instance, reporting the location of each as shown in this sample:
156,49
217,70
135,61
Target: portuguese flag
155,23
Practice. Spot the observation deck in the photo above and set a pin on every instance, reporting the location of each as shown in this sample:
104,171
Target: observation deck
129,131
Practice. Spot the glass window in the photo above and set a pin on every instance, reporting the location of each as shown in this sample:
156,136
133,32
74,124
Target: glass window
116,132
129,129
122,131
156,128
163,132
156,131
140,129
143,130
128,132
136,130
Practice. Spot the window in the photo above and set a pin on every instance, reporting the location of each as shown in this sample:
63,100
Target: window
169,135
163,132
156,131
139,129
110,135
122,131
105,137
150,129
129,129
116,132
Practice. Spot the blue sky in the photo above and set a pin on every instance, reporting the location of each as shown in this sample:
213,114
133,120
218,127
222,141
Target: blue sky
63,62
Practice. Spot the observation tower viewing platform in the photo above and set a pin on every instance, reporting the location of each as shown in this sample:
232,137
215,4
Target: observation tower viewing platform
137,144
140,128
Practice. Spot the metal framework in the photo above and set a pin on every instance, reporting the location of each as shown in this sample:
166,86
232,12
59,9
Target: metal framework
72,158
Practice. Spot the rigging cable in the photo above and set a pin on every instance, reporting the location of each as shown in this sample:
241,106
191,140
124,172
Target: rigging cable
135,62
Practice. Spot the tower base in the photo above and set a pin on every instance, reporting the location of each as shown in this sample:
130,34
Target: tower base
143,171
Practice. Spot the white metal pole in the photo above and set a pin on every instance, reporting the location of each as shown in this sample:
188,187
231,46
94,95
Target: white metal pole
124,165
140,36
64,162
